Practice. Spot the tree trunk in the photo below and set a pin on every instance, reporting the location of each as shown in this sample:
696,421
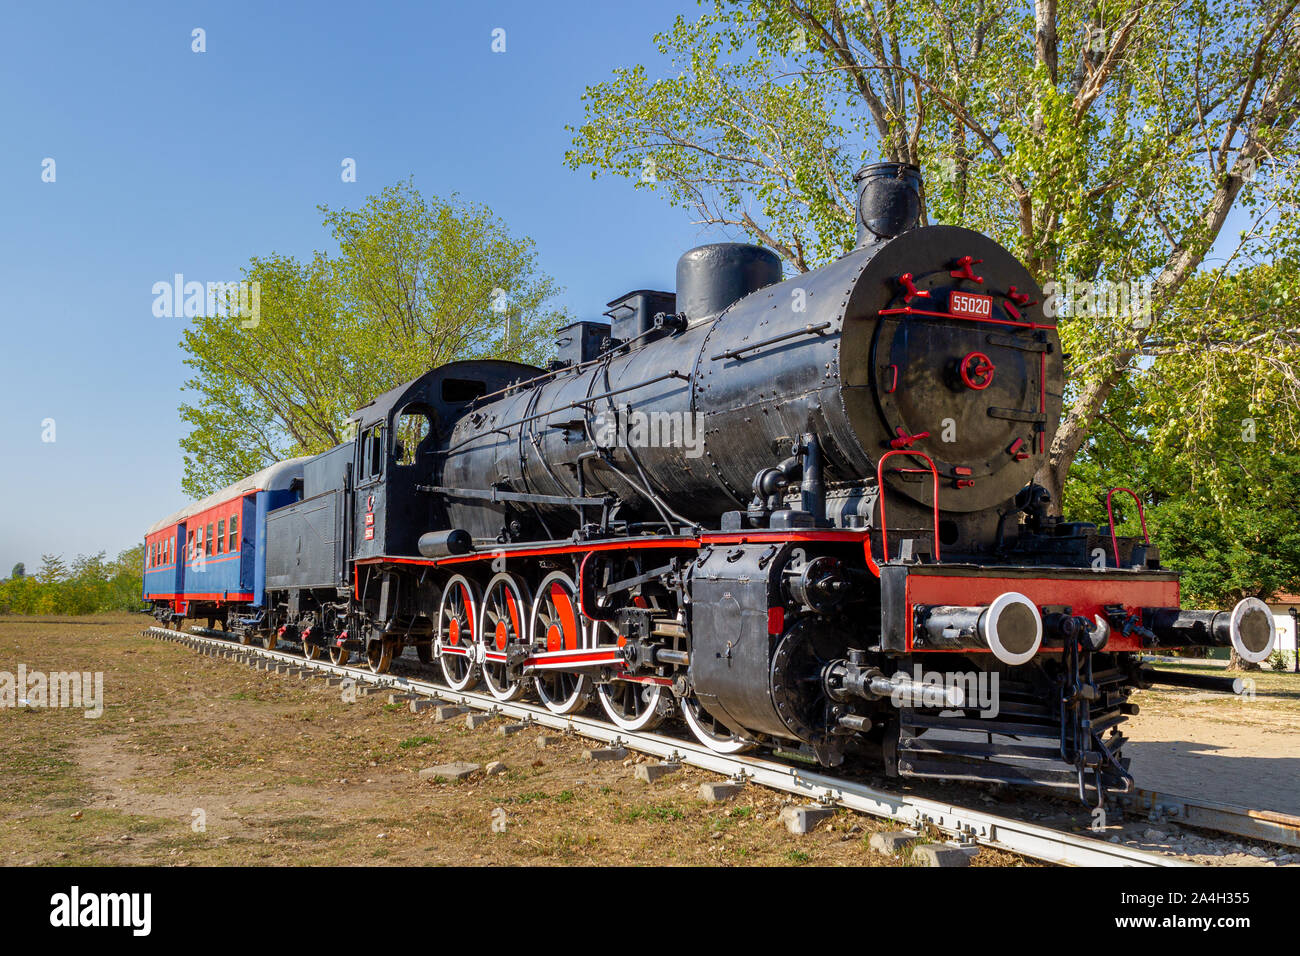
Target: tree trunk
1074,431
1235,663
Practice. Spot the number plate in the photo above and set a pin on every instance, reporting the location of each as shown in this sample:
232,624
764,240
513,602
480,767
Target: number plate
970,305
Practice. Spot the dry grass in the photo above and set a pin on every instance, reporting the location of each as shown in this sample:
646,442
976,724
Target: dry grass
284,771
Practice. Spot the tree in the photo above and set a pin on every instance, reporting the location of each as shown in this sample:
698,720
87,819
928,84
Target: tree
52,569
19,571
417,281
1220,476
1103,142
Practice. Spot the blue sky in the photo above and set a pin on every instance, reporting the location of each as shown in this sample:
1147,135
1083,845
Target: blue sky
172,161
169,161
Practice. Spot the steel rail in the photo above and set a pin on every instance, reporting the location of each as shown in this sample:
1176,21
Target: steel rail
1269,826
963,824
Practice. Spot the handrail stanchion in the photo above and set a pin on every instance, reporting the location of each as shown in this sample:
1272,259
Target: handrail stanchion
1110,513
884,528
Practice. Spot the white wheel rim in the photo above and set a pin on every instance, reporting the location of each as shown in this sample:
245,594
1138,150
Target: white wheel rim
721,745
647,719
505,583
537,627
459,586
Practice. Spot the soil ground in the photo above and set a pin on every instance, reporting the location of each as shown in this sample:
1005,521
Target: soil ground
207,762
282,771
1237,750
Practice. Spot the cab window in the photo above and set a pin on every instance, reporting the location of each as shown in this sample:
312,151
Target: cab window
409,432
372,452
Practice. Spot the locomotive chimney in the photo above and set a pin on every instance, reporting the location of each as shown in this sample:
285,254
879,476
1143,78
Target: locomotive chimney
889,200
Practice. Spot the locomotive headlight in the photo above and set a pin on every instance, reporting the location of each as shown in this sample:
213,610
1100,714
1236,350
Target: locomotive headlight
1012,627
1252,630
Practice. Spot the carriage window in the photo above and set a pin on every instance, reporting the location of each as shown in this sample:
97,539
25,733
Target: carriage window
208,540
234,532
221,536
189,546
412,428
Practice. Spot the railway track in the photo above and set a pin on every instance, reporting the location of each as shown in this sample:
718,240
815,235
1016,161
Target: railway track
962,825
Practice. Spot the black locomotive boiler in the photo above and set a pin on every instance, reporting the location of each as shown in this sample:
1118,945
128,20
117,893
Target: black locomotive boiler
796,514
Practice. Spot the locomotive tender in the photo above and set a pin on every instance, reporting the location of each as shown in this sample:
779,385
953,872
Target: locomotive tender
798,514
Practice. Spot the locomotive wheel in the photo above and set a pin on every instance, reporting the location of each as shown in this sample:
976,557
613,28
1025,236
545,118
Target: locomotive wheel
632,705
501,626
246,636
379,654
338,655
270,639
454,637
555,625
312,651
712,733
424,652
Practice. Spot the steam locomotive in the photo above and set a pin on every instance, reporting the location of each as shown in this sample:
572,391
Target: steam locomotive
797,515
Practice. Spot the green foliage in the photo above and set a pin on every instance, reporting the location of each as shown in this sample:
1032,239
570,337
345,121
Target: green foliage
417,282
1101,142
52,569
1096,141
92,584
19,571
1202,430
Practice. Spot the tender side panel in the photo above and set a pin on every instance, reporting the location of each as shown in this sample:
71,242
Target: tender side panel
304,543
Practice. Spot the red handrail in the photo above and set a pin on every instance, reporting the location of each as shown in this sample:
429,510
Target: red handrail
1110,513
884,528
